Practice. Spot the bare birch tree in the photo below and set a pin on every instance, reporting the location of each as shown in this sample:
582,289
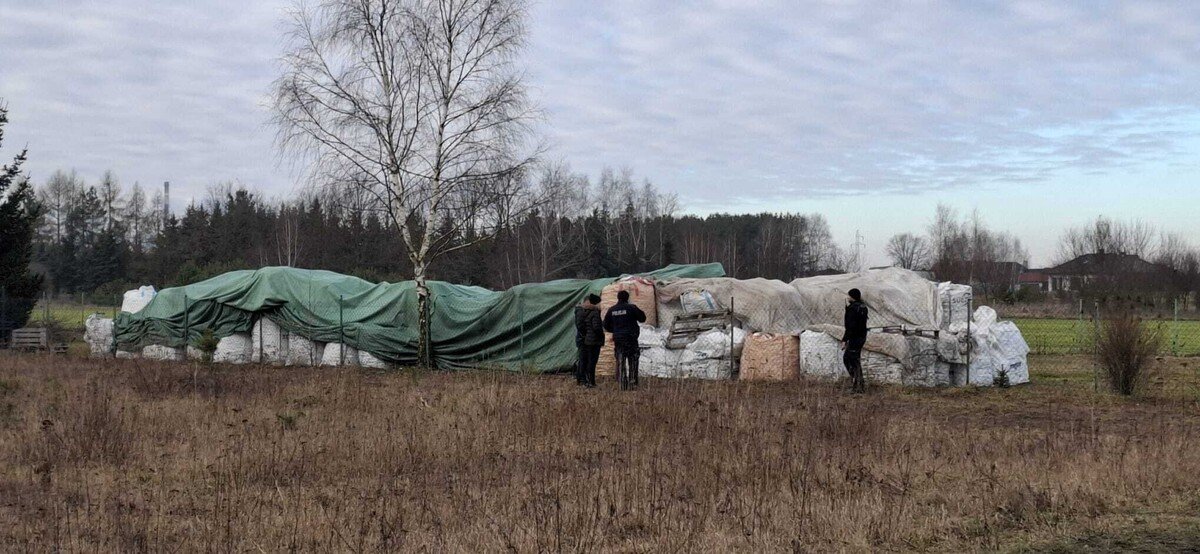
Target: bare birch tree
418,103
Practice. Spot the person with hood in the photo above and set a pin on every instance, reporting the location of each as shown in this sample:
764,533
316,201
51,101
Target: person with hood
622,321
854,338
589,337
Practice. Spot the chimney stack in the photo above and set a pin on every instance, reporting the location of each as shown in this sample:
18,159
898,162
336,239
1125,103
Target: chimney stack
166,200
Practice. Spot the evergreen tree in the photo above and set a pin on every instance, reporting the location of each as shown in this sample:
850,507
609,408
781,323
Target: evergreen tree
18,219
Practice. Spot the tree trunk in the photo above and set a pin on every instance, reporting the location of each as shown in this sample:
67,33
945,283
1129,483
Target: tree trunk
424,348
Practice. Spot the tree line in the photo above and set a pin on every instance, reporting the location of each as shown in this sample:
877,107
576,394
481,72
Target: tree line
103,238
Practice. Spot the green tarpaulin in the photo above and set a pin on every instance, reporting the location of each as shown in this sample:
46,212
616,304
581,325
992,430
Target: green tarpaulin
528,327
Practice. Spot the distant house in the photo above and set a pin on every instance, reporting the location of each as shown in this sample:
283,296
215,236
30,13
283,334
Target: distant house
1097,268
1034,279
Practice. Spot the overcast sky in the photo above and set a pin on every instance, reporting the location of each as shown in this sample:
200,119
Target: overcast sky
1038,114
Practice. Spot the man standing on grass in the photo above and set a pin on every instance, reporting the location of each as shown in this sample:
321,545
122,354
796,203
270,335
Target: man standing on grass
854,338
622,321
589,337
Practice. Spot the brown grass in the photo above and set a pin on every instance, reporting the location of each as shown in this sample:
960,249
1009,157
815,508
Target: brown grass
131,456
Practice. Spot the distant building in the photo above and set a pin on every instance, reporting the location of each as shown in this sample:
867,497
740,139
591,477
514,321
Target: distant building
1098,268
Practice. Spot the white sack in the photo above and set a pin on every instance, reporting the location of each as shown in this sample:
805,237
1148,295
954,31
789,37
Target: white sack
651,336
1014,351
698,301
334,355
303,352
881,368
368,360
659,362
983,319
269,342
954,304
234,349
164,353
136,299
98,333
821,356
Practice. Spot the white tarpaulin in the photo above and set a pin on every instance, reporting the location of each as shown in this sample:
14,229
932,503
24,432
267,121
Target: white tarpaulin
893,297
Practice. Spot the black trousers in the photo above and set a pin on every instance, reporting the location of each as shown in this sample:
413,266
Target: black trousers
585,368
852,359
627,359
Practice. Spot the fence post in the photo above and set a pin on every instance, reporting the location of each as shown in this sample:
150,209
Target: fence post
521,316
1095,338
970,339
187,324
732,358
1175,330
341,334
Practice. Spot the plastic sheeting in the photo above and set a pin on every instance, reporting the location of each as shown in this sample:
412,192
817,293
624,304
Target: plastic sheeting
893,296
528,326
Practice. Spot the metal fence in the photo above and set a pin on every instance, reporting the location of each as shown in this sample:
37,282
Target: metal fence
1076,333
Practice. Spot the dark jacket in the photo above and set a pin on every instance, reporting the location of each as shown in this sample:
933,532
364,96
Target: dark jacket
622,321
856,322
589,330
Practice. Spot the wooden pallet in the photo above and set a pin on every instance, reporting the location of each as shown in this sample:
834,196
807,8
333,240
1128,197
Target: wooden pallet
686,328
35,339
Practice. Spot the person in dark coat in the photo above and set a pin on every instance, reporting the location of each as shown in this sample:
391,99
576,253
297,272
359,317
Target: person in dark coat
589,337
854,339
622,321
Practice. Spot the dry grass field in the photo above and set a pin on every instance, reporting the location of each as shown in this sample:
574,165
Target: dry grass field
137,456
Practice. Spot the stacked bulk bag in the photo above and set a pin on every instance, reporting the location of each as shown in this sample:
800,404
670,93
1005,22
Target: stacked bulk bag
269,342
234,349
338,354
303,351
134,300
770,357
98,333
642,295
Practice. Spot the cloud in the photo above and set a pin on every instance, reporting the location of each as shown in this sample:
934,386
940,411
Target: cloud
839,97
770,99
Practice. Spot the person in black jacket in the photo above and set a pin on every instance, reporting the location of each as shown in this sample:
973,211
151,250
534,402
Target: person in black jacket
854,339
589,337
622,321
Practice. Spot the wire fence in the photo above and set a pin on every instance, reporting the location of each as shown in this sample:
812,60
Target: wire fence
1076,333
1066,331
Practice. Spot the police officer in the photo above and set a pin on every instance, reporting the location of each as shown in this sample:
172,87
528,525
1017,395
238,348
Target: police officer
854,339
589,337
622,321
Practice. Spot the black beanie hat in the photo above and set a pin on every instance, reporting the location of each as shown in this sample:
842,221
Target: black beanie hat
855,294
